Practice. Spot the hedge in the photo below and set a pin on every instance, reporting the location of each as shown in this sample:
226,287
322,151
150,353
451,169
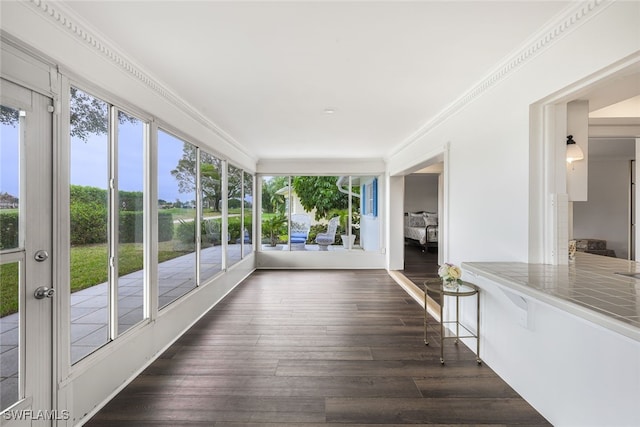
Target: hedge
131,227
210,230
8,229
89,217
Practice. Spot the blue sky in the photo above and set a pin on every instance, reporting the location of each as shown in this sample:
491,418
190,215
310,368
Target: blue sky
9,155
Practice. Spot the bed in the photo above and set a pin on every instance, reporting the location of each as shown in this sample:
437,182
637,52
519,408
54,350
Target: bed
421,228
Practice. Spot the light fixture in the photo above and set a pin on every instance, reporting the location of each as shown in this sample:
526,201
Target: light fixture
574,152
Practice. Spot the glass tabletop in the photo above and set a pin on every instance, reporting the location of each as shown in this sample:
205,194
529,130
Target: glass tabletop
465,289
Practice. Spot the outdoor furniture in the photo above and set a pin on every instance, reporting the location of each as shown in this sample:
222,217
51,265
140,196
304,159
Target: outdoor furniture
325,239
300,226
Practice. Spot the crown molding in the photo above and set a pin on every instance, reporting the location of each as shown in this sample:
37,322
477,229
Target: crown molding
62,19
569,19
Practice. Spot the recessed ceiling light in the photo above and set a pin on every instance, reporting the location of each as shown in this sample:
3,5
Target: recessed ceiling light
329,110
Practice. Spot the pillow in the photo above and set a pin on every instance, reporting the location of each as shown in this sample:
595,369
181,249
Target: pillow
416,220
431,220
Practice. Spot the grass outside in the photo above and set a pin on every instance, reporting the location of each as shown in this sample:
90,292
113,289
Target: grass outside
89,267
8,288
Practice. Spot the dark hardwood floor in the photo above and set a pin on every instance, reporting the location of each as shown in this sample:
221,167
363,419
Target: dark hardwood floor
419,265
311,348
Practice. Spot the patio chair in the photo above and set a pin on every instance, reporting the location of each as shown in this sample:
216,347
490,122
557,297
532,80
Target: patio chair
325,239
300,226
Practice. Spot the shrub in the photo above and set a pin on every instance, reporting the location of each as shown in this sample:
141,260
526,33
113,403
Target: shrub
88,211
131,200
212,231
9,223
131,227
186,231
235,228
88,223
88,195
165,226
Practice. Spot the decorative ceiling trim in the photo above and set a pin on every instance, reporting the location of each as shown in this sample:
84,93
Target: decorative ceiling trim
572,17
94,42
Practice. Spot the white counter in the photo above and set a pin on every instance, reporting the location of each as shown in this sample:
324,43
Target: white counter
567,338
588,287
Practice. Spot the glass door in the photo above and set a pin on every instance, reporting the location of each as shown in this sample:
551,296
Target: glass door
26,289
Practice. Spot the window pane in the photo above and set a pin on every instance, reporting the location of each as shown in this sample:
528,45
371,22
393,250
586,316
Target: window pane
275,200
211,230
234,252
9,178
131,167
369,221
356,207
320,199
247,219
176,218
10,288
88,212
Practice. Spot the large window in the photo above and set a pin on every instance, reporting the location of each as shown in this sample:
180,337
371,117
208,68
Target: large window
110,206
176,217
89,214
234,203
247,214
318,213
211,216
107,199
132,137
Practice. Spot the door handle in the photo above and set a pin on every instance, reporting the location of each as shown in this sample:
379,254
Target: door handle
44,292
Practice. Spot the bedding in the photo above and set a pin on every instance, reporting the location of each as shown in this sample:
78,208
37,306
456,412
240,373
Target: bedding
421,227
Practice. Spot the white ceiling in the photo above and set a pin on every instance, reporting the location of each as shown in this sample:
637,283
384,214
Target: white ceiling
265,71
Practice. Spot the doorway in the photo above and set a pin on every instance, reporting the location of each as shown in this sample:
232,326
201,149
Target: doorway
26,281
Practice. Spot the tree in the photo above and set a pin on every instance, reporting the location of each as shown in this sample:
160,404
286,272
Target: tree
8,116
88,115
319,193
272,202
210,176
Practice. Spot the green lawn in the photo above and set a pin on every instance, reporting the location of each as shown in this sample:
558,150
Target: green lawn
88,268
8,288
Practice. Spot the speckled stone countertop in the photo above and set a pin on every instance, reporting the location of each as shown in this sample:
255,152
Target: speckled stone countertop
589,287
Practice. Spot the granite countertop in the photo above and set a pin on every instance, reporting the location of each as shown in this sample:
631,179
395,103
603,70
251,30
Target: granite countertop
588,287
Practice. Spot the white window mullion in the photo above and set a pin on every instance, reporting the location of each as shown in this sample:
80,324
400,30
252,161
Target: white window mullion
225,214
150,223
198,230
242,214
113,222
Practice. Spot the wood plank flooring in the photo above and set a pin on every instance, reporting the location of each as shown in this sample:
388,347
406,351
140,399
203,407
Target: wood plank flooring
315,348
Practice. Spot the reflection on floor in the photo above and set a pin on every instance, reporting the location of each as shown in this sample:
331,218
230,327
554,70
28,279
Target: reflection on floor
418,265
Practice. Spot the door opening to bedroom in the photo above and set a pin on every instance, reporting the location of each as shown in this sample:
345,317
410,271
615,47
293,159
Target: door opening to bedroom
422,205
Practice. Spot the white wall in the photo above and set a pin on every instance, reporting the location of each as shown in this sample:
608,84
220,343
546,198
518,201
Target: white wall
421,193
605,215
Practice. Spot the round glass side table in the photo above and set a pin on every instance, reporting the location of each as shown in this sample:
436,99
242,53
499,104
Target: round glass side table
466,289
